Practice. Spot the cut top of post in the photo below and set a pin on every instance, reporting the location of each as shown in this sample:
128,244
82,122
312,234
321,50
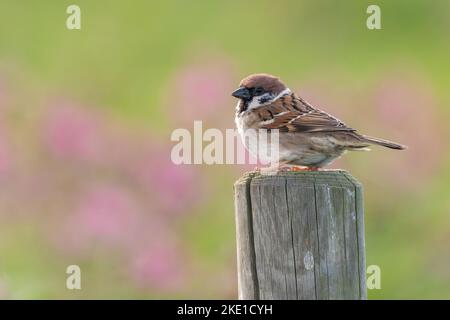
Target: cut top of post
329,177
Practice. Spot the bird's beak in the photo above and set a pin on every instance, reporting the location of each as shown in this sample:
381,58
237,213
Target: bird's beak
242,93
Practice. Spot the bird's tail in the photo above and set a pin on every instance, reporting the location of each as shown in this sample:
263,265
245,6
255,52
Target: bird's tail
384,143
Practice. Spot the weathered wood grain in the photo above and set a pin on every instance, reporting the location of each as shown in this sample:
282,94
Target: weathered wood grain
247,277
300,235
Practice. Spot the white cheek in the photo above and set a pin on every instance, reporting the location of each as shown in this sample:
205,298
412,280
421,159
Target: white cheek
255,103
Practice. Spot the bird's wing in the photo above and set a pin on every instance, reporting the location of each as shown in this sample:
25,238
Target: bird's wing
293,114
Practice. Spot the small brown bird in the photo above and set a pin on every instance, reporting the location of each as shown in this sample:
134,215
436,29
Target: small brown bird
308,137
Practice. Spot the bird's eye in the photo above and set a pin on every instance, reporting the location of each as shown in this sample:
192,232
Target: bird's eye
258,91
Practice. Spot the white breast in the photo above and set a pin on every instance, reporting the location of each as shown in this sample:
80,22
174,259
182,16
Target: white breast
259,145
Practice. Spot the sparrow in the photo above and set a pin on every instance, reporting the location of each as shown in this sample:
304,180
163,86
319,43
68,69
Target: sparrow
308,138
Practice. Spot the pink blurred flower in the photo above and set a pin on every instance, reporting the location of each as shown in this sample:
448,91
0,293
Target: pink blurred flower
73,132
176,188
200,90
406,111
107,212
159,266
5,156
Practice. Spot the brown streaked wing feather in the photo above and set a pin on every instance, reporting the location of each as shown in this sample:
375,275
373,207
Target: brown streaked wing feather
281,121
319,121
293,114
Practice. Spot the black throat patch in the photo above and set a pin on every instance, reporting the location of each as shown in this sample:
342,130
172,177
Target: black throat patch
243,105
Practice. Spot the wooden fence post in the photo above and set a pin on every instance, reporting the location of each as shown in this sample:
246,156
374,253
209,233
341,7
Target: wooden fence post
300,235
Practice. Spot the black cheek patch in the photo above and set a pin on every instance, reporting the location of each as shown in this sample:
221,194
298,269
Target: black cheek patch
263,100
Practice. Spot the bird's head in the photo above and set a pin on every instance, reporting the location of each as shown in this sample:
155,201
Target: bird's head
257,90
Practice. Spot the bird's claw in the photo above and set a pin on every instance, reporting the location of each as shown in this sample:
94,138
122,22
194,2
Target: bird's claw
298,169
284,168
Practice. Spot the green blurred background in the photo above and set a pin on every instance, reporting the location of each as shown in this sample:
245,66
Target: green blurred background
86,117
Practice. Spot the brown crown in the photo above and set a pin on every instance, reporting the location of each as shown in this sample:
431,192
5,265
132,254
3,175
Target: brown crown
266,81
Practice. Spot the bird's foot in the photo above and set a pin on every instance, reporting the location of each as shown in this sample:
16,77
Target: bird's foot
312,169
269,171
298,169
273,170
